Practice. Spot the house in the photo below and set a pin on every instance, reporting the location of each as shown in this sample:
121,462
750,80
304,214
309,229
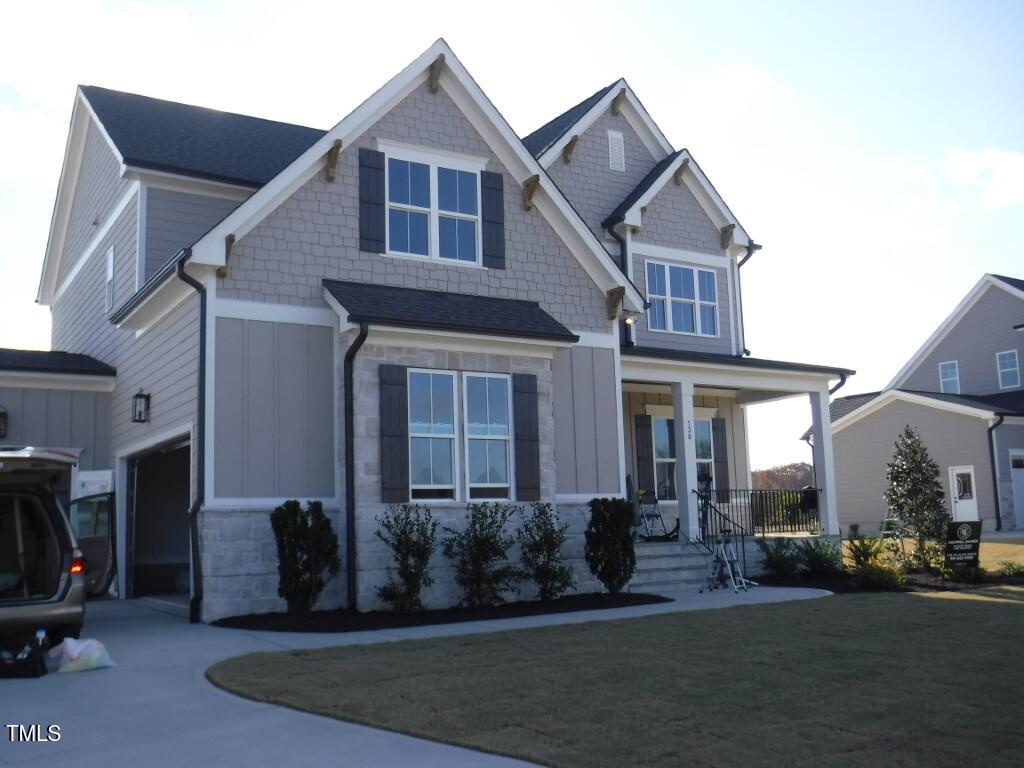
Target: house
963,391
413,306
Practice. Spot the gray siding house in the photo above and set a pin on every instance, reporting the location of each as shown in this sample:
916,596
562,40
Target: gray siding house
963,391
416,305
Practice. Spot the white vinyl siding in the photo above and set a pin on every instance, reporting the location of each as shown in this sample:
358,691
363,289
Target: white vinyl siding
1008,368
949,377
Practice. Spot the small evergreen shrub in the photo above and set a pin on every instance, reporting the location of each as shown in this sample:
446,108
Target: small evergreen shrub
862,550
781,561
609,549
819,557
1010,569
409,531
878,576
307,553
540,539
480,554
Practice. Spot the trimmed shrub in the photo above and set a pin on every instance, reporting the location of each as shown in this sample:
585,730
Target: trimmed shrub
307,553
409,531
819,557
480,553
1010,569
862,550
781,561
609,542
878,576
541,539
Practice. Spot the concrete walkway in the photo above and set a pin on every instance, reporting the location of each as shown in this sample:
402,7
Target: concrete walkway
156,707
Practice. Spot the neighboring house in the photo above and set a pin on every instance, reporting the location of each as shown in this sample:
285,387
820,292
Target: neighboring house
964,392
415,305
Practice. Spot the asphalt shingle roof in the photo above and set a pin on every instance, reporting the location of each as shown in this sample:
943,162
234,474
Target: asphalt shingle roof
737,360
1014,282
195,141
652,176
549,133
40,361
438,310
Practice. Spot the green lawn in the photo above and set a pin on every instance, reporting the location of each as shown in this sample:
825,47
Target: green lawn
850,680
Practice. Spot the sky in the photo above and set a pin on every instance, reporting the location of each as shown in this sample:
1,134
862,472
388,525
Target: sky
875,150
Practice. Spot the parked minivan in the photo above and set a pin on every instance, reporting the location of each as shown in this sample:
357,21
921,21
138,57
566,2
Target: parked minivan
42,570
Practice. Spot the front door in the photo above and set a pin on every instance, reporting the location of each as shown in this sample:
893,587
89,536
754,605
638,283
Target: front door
1017,474
962,490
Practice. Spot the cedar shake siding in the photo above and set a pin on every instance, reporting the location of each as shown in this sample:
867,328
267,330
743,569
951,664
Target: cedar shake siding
315,234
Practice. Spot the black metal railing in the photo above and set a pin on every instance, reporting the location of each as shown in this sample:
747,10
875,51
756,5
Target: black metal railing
768,512
713,523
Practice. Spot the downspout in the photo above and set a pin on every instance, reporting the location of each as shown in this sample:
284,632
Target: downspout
350,465
200,450
992,461
752,248
839,385
627,331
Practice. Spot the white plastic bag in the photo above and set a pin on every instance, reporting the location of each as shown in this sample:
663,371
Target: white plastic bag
81,655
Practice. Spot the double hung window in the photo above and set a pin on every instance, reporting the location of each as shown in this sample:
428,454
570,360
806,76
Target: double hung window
683,299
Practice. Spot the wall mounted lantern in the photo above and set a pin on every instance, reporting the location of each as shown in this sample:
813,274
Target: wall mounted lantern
140,408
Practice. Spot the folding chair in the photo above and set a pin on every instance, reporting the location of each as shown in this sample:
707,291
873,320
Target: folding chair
650,515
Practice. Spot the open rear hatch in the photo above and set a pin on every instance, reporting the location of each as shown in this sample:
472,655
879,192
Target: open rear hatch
34,540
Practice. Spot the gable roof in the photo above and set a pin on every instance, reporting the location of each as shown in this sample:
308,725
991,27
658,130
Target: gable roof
41,361
551,137
846,410
630,210
442,311
1012,285
554,129
194,141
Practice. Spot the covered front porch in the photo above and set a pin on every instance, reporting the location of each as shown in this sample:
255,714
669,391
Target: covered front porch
699,473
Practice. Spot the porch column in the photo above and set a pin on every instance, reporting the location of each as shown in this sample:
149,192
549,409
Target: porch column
686,457
824,463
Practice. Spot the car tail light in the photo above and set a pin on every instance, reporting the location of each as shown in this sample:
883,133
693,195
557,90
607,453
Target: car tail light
77,563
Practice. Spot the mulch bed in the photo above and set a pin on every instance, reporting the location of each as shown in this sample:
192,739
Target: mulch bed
343,620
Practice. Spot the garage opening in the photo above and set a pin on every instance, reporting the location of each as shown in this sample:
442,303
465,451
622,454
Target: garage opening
158,502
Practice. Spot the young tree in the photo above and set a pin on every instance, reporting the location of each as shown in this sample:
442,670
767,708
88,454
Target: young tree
914,494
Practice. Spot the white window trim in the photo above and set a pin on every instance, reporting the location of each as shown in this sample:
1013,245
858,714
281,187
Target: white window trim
696,301
942,381
616,137
509,439
433,160
1015,369
108,284
456,465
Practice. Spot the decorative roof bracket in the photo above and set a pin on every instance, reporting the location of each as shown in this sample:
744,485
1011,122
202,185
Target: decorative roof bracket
435,72
617,101
568,148
332,160
529,190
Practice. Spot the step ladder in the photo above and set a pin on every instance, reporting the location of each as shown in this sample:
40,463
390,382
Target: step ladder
725,566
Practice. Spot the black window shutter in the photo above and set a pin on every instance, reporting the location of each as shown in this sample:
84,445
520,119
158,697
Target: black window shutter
492,209
721,454
371,201
527,436
394,434
644,454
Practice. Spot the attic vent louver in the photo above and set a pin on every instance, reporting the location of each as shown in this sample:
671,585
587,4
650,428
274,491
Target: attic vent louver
616,151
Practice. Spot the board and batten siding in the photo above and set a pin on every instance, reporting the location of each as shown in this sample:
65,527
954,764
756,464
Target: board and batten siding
175,220
587,180
314,234
97,191
586,439
635,404
274,410
985,329
864,448
60,418
722,343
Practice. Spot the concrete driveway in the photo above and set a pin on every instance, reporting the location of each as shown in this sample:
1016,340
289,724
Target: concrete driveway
156,708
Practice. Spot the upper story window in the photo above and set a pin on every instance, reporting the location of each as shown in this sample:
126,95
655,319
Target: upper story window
683,299
433,206
108,285
949,377
1008,367
616,151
